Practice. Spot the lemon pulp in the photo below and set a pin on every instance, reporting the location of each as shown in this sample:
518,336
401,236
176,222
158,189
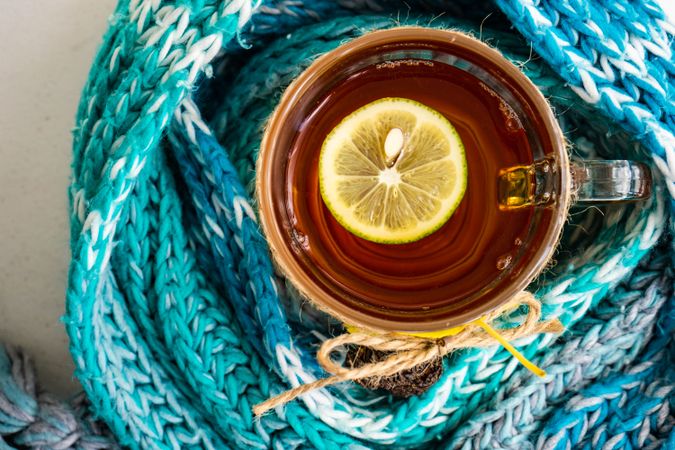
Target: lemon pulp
393,171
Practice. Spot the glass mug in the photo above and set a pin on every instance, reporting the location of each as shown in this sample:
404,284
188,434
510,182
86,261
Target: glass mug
521,184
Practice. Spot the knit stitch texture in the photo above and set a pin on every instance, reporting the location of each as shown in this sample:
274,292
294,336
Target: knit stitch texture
179,324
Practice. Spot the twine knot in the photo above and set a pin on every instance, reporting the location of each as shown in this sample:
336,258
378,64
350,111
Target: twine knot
408,351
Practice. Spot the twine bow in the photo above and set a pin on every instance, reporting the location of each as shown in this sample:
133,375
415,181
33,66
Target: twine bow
409,351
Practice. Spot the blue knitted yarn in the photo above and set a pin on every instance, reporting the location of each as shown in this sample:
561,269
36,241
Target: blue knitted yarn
176,316
617,55
610,339
31,419
626,410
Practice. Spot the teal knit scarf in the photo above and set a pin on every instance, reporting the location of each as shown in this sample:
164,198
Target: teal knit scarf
178,323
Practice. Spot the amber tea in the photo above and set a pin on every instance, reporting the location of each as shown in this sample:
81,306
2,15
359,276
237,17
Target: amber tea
477,243
457,200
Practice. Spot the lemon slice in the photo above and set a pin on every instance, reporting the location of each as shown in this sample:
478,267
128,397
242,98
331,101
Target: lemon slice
393,171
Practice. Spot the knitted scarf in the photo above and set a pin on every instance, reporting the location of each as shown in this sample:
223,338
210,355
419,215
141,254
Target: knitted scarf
179,324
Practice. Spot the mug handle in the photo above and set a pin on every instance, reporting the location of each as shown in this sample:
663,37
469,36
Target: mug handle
592,182
598,181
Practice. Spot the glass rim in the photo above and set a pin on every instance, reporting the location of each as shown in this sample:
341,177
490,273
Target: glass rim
274,233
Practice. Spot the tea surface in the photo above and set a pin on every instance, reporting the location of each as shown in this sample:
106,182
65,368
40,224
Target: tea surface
473,247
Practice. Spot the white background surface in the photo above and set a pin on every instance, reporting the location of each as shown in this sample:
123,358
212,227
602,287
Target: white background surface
46,48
